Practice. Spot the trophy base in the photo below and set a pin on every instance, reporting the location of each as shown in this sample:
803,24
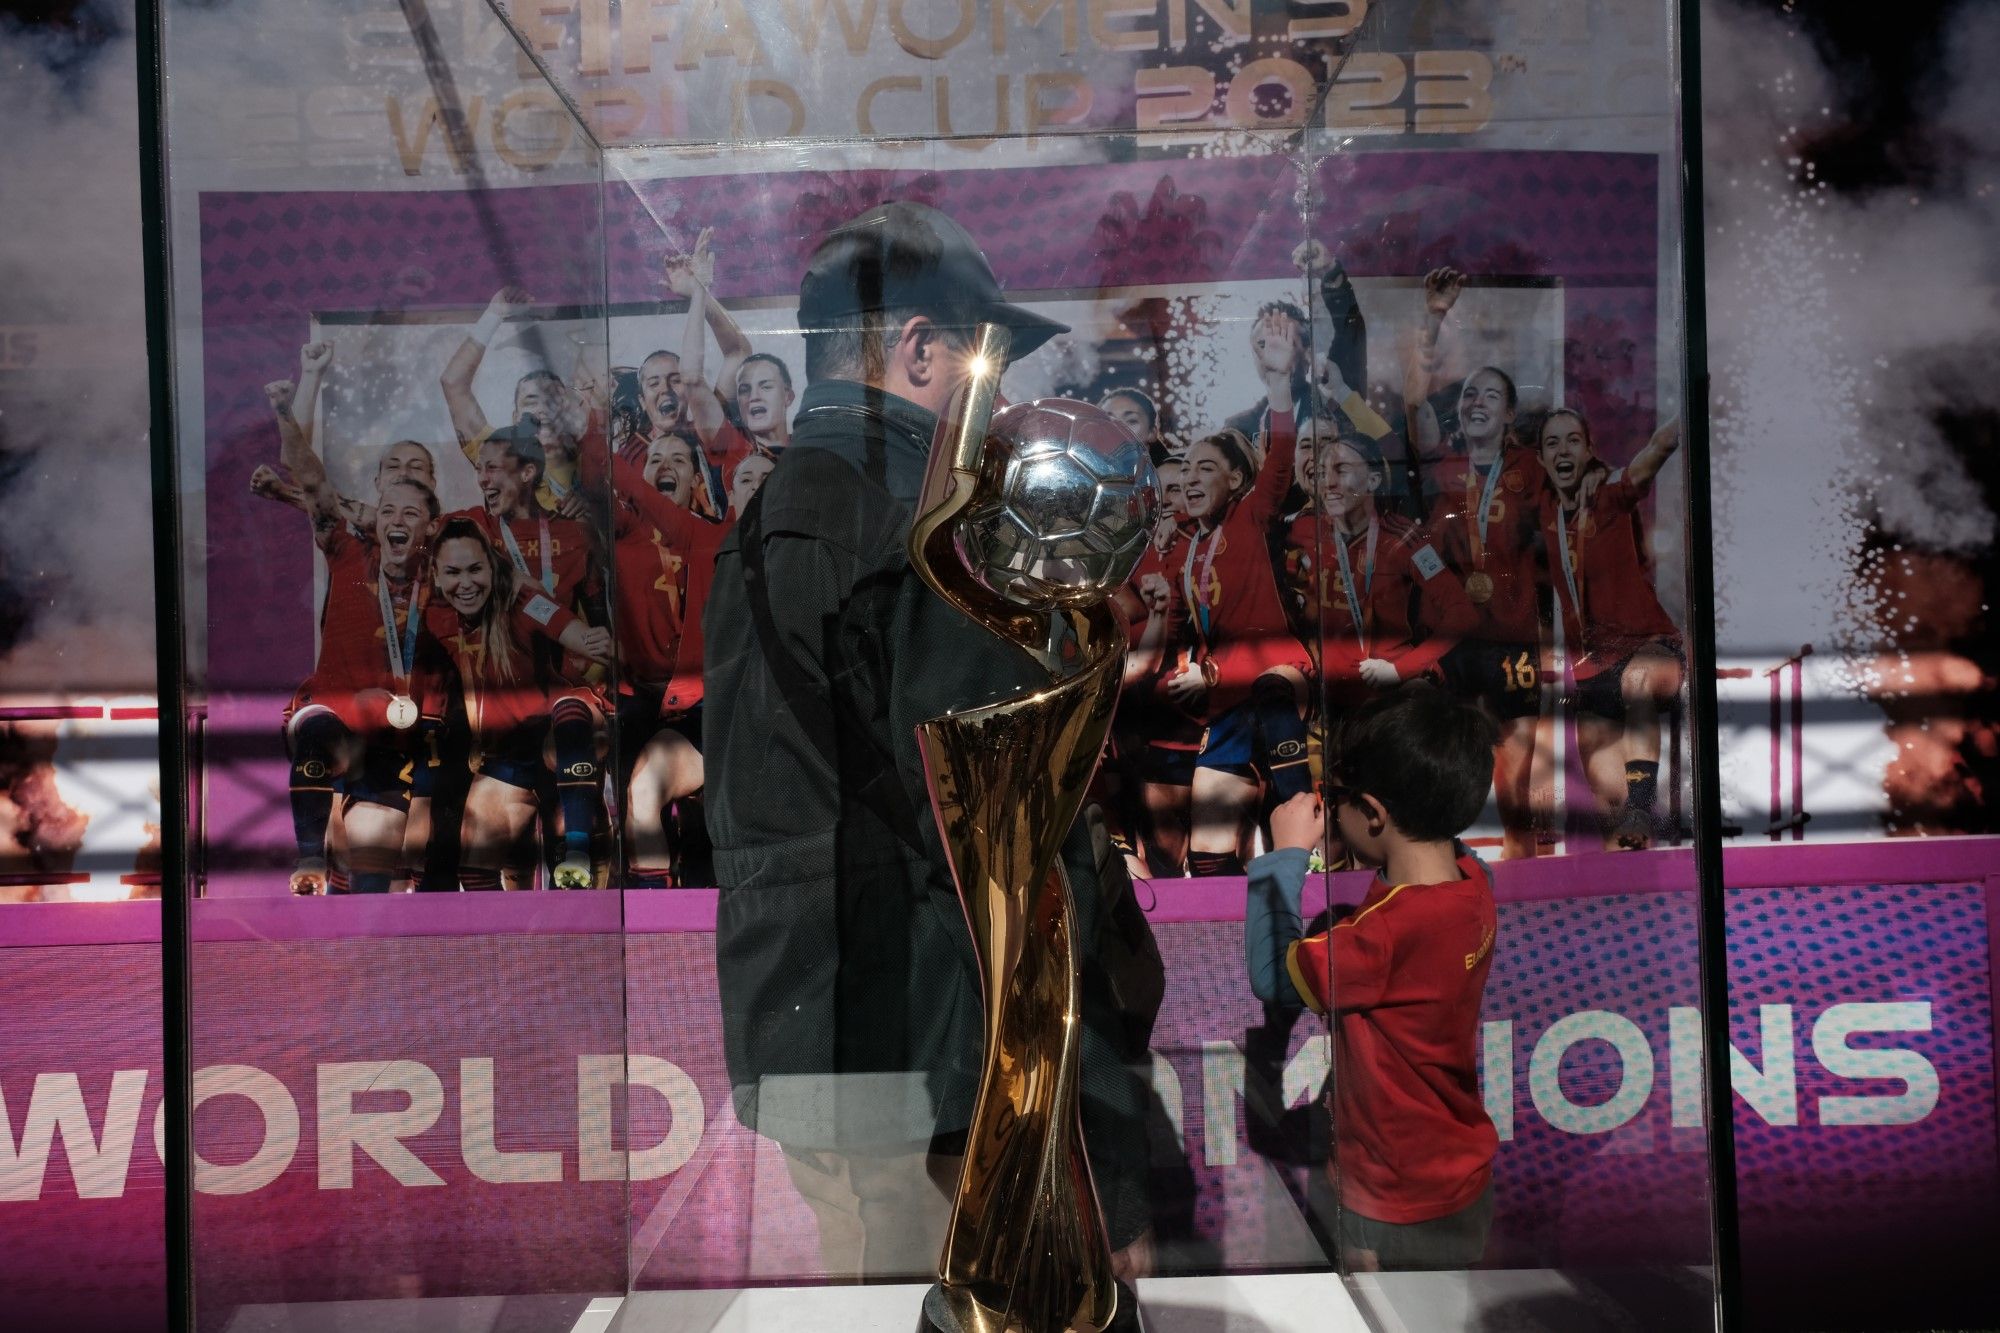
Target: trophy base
938,1318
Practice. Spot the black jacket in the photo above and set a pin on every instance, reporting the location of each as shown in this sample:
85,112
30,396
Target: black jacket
841,946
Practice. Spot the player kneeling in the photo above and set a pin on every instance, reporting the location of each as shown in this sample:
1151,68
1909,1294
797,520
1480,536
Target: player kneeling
532,730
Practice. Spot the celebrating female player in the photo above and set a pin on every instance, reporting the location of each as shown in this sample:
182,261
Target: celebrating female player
1486,492
523,717
1387,607
351,725
1624,650
1247,674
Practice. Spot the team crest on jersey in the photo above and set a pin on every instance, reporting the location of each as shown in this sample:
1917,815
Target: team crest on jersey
1427,562
1511,479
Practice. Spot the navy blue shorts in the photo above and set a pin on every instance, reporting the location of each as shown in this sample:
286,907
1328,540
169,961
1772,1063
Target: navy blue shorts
383,779
1506,677
1604,693
1168,765
686,725
1230,743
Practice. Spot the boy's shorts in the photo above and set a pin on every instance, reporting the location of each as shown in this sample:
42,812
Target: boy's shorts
1456,1240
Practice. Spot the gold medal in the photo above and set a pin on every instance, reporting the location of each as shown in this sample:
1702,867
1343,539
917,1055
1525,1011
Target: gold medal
402,712
1479,586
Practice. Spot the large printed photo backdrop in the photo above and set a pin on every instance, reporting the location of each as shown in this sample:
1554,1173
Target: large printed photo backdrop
1163,268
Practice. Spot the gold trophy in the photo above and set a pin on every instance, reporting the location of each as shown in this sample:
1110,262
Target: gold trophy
1026,522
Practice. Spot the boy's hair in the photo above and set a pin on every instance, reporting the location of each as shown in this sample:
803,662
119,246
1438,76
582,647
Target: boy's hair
1427,757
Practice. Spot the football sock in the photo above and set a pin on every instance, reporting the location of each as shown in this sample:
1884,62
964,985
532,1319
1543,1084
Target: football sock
647,877
1642,783
336,880
578,786
1284,736
478,879
312,781
368,881
1204,864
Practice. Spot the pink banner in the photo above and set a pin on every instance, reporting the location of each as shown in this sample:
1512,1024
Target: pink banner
427,1109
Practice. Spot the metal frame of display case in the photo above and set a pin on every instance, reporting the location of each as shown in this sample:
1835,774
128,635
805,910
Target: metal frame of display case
170,668
175,852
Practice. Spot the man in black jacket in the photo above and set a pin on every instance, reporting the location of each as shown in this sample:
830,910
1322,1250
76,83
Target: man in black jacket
852,1019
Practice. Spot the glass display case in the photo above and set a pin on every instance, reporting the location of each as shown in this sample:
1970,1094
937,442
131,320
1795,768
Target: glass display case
573,944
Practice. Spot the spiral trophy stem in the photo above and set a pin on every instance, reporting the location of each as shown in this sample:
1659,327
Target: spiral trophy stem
1027,1250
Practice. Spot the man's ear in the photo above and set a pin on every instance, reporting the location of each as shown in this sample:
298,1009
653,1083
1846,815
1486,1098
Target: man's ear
915,352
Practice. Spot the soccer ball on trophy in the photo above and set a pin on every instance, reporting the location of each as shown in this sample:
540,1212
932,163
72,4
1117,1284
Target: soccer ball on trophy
1066,502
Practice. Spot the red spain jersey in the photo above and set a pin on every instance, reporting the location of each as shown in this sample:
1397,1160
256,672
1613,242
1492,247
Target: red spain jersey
1236,613
568,566
503,684
353,643
685,545
1506,552
1145,711
725,450
1605,585
1407,972
1413,608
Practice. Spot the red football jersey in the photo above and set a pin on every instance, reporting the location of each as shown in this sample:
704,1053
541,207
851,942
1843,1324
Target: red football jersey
503,684
687,546
1608,573
1506,554
1236,612
1145,711
1413,608
1407,971
729,447
565,575
354,645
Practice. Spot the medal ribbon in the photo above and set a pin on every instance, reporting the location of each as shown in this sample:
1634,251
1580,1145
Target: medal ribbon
1357,605
1483,514
548,558
1196,593
1568,560
403,655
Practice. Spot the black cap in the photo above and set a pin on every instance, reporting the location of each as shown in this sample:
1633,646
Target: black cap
905,254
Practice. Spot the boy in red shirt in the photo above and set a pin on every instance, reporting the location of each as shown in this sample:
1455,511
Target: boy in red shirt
1402,976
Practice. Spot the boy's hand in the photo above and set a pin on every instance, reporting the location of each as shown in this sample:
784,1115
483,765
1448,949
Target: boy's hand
1298,824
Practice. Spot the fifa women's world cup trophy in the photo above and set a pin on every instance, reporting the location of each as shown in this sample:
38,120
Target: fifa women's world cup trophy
1028,519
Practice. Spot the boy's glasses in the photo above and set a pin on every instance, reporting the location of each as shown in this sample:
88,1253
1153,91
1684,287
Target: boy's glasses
1337,795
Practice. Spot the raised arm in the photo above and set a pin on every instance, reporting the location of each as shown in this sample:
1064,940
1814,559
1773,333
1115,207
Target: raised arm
1441,289
729,337
1333,388
1642,469
685,277
466,417
266,482
1274,475
322,505
314,360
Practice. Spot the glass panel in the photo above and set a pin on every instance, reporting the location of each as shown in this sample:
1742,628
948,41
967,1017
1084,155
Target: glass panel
403,1101
1197,1104
1518,1086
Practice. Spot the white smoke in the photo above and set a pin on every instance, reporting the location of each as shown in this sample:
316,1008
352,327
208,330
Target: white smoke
78,520
1838,328
1839,325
